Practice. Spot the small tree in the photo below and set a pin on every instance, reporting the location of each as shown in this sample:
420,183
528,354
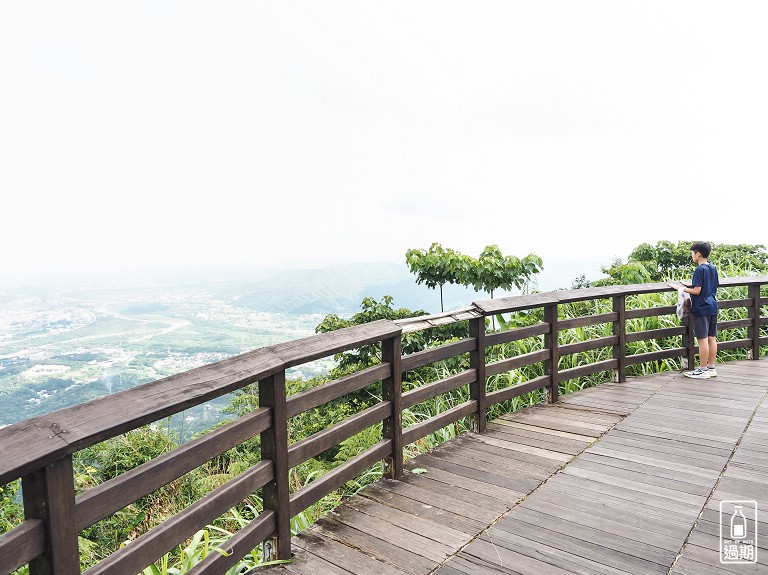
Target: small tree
492,270
437,266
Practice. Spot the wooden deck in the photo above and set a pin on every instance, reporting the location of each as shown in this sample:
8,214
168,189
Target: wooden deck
621,479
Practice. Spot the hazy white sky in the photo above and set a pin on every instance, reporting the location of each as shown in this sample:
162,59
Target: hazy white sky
163,134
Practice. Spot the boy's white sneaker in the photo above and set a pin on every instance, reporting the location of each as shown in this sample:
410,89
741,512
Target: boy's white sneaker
697,373
712,372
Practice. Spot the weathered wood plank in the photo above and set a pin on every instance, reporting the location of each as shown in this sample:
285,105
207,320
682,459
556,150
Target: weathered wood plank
651,311
343,556
317,396
489,554
321,345
531,427
616,540
399,536
424,492
516,334
516,362
465,478
589,369
424,510
587,320
404,558
656,355
430,390
422,358
731,303
548,554
655,333
519,389
585,548
734,323
644,476
424,527
479,471
539,441
331,436
522,476
21,544
419,430
443,483
597,343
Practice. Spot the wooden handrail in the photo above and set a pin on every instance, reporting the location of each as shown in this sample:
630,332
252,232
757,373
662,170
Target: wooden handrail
39,450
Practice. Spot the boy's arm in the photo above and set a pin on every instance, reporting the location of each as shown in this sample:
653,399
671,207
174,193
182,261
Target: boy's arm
696,290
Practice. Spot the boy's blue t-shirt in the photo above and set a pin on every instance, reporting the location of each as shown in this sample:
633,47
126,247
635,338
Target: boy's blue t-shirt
706,302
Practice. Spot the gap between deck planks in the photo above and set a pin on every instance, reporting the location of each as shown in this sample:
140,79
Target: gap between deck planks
593,484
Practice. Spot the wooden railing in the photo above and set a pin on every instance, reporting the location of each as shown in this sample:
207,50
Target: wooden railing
39,450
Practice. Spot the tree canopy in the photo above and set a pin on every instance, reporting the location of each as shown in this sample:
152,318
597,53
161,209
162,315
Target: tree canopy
493,270
438,266
669,261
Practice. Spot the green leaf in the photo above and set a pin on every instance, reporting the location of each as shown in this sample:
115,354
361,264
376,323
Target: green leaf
418,470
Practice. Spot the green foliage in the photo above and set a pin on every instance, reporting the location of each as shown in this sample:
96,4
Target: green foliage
438,266
372,310
624,273
669,261
581,282
491,271
11,511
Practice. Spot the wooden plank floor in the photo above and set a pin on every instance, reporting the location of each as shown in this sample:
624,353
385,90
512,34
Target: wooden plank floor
618,479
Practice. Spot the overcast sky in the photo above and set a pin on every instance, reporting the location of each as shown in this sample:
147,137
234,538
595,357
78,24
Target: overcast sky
293,134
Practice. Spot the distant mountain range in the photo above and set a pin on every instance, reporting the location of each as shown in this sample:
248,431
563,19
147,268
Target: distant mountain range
333,289
341,288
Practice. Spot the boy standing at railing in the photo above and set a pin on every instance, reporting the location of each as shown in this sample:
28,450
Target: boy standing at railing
703,290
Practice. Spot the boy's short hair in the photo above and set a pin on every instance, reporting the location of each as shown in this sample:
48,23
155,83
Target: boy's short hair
703,248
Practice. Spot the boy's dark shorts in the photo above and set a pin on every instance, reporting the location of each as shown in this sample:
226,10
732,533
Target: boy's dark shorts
704,325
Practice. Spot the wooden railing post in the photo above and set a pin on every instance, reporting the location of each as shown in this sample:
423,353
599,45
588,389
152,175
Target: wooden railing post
477,389
620,330
274,446
550,342
392,391
754,314
49,494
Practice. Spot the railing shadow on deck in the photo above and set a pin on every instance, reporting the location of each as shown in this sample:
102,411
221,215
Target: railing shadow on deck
39,450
